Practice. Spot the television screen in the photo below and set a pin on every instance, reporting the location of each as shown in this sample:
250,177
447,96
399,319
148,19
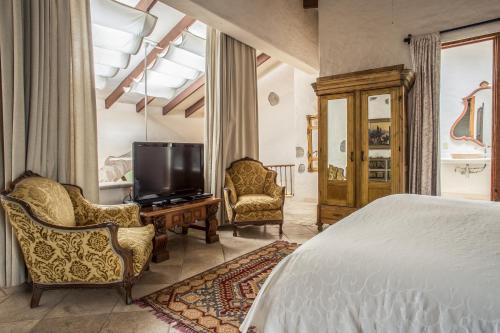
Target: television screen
167,170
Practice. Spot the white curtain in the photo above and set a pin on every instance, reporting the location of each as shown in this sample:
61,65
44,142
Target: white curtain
231,120
423,116
48,104
12,131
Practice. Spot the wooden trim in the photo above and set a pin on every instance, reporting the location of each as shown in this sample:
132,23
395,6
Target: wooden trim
470,40
483,85
495,151
309,131
386,77
146,5
198,83
363,72
184,23
195,107
261,58
140,105
308,4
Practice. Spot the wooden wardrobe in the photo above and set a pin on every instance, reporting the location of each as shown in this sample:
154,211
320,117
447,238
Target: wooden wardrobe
362,137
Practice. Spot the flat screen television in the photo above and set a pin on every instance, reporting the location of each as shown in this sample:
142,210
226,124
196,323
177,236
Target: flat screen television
165,171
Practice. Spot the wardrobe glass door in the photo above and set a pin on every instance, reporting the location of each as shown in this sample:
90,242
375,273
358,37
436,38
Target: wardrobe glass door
377,154
337,121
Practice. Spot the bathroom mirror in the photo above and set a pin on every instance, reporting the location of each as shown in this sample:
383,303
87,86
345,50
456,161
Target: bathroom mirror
312,143
470,125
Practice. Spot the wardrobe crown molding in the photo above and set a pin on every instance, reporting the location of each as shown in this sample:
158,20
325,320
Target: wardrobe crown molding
378,78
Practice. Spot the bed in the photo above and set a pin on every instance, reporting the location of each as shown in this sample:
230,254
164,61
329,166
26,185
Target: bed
404,263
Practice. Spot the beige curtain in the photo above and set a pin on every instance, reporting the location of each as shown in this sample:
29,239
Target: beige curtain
62,133
48,104
84,169
12,131
423,117
231,121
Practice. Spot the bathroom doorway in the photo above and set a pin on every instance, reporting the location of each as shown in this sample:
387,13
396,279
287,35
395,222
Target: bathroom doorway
467,117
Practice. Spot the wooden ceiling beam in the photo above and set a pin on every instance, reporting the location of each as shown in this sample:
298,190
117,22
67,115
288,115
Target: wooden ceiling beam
261,58
146,5
195,107
140,105
183,24
198,83
310,4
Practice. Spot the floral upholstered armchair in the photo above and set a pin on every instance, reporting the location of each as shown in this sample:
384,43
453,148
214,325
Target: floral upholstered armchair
69,242
252,196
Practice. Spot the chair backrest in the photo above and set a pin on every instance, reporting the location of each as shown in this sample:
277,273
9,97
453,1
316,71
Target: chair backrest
248,176
48,200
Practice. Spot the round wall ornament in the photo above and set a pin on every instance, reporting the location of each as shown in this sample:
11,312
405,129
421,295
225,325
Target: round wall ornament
273,98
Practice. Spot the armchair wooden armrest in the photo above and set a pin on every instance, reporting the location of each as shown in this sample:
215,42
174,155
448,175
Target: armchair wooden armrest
229,205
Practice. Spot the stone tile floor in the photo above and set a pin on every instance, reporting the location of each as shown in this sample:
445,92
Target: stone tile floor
104,310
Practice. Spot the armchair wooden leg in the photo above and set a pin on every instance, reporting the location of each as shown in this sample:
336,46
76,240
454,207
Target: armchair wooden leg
35,296
281,229
235,231
128,293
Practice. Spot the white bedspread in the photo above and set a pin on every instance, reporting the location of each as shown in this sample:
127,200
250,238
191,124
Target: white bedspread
404,263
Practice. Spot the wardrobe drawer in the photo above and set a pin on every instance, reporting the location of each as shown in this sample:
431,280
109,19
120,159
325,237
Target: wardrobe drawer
193,215
175,219
199,214
329,214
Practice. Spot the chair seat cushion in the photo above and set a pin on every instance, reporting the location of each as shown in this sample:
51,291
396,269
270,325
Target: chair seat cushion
263,215
256,202
139,240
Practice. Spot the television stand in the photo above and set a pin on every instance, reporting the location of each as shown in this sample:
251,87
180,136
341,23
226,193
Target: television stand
184,214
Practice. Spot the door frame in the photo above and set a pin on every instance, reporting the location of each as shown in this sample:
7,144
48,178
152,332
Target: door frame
495,142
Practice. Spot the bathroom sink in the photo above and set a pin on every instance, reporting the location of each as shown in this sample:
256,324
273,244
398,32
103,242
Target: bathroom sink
467,156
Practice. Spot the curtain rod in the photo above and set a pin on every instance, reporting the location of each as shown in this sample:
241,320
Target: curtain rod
408,39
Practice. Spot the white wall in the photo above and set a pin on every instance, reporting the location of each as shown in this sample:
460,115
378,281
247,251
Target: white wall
360,34
119,126
284,126
277,123
462,69
281,28
306,183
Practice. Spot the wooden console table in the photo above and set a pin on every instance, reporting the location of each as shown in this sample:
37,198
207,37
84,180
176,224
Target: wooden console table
185,215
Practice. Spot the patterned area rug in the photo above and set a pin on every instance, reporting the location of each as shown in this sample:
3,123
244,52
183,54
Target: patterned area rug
218,299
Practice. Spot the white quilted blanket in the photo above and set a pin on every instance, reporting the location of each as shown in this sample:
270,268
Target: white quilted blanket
404,263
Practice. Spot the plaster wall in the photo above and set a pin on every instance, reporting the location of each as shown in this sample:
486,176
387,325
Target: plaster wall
359,34
277,123
281,28
283,127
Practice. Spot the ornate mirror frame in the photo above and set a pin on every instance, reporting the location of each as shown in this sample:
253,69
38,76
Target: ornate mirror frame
312,156
468,101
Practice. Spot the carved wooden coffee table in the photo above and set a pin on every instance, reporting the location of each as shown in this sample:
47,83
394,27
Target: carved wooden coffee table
182,214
